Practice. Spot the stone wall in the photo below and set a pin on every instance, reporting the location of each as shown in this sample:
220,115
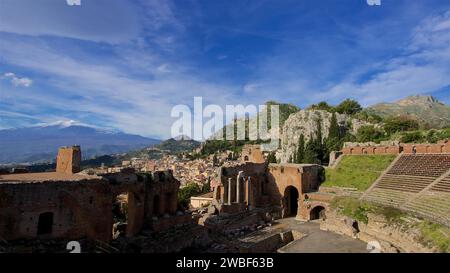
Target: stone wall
392,237
392,147
78,209
77,206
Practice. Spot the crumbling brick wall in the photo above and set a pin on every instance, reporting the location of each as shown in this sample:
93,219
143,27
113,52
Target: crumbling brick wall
76,208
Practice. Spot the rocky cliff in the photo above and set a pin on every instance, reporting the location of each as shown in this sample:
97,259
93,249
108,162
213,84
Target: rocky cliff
306,122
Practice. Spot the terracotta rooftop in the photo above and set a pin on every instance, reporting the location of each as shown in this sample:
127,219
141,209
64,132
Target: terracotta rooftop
45,177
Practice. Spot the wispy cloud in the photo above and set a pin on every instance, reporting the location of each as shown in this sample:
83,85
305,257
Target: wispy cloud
125,66
17,81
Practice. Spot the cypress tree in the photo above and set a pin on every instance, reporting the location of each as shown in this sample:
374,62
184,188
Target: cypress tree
334,128
301,150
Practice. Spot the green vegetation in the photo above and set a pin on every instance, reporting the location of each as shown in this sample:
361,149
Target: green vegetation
400,124
369,133
212,146
432,234
436,235
285,110
178,146
426,110
348,106
369,117
358,209
357,171
353,208
421,136
271,158
191,189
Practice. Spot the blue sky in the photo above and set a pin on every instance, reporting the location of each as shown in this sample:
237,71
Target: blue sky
125,64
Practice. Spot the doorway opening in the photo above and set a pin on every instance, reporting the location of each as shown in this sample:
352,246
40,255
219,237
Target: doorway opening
291,198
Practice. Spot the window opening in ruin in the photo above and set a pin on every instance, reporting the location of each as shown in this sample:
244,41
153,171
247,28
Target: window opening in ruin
317,213
120,215
45,223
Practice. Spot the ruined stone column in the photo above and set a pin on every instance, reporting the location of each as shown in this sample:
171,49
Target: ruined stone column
215,194
249,187
238,187
229,191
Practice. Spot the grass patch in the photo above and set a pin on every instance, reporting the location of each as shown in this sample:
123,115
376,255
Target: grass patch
357,171
358,210
436,235
352,207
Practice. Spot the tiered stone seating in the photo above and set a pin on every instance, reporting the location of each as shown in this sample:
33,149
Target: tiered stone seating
388,197
405,184
429,165
443,185
434,205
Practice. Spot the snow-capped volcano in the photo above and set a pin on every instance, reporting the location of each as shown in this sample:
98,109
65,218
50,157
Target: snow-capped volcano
41,142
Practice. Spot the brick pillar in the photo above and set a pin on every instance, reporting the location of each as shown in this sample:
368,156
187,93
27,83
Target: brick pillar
68,160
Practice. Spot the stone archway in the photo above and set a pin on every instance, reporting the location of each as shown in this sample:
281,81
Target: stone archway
125,214
316,213
291,196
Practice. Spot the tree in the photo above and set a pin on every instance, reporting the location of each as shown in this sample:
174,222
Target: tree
369,133
207,186
300,150
334,141
311,156
411,137
349,107
323,105
334,128
185,194
400,124
271,158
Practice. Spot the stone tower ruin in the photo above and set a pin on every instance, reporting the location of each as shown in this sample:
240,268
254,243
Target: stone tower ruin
68,160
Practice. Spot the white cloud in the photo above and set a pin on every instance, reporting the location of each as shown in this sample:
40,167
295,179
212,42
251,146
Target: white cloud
17,81
108,92
164,68
101,20
424,67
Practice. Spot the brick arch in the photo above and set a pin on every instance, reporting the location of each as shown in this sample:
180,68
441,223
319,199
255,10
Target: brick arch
308,208
135,211
317,212
291,195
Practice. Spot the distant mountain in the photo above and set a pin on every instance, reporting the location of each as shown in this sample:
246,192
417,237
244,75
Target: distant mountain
170,146
425,109
179,144
41,143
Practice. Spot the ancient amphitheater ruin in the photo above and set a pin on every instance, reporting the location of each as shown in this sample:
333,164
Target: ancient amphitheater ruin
256,207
